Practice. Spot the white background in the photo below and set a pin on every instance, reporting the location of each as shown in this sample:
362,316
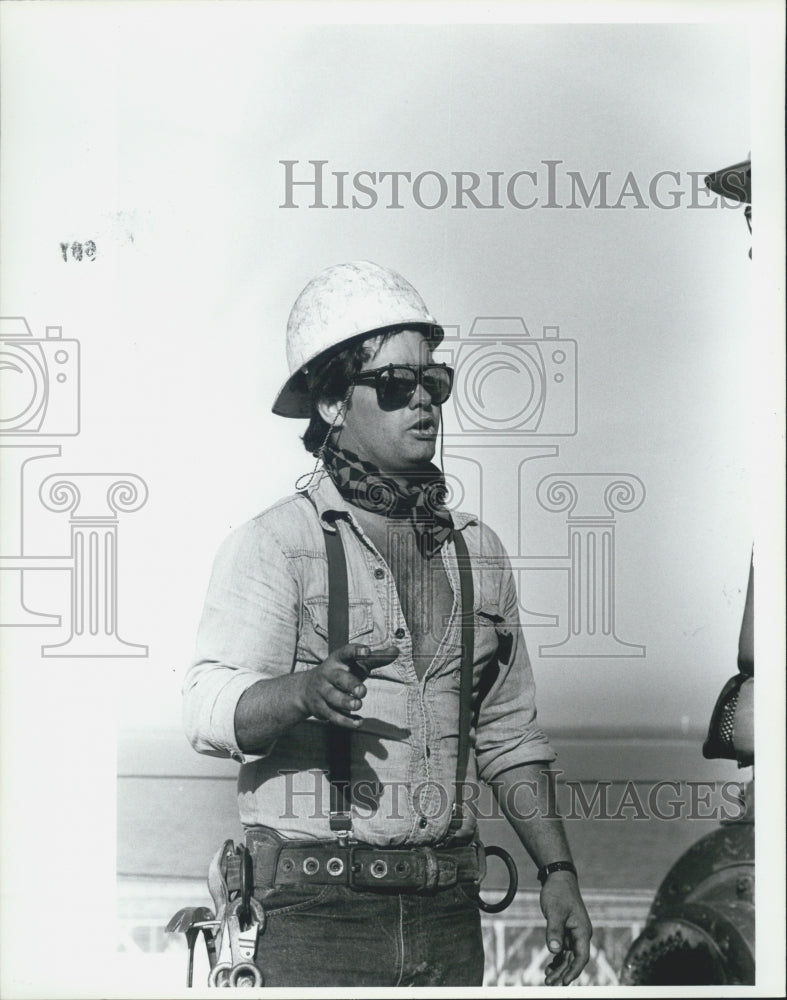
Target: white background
157,129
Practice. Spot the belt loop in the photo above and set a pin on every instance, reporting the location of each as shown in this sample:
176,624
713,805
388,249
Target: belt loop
432,868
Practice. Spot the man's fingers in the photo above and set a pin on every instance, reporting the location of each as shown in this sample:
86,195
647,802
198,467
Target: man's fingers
574,970
581,949
340,678
363,659
338,719
334,706
556,943
337,699
366,662
337,687
347,653
557,967
554,937
344,704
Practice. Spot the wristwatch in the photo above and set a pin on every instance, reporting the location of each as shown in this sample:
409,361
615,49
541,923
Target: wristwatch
555,866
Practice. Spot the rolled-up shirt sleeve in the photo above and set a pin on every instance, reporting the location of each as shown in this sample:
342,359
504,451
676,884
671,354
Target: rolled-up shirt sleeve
506,731
248,632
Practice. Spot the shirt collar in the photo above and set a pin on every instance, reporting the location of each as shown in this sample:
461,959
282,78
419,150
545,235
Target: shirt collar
331,504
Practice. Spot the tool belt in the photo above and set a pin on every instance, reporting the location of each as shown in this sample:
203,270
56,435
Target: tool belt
364,867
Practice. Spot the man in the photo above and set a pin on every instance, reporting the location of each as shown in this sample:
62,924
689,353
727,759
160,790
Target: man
380,889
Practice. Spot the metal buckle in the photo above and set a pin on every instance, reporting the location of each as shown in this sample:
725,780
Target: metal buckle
341,825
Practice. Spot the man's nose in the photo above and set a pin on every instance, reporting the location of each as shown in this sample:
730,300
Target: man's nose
420,397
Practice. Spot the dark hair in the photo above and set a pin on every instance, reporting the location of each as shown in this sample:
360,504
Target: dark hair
329,379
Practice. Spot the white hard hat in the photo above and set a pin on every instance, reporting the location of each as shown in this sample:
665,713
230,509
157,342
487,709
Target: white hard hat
342,302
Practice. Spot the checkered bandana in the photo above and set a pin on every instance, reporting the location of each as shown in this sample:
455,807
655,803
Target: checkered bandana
421,499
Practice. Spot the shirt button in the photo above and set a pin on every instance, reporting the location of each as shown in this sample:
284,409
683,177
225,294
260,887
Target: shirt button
399,633
423,822
379,574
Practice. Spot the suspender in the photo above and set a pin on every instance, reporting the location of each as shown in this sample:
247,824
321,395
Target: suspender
338,748
466,676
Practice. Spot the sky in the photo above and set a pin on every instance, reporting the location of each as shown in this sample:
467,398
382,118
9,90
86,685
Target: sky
156,132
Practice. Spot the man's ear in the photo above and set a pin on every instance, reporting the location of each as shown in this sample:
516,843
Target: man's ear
332,413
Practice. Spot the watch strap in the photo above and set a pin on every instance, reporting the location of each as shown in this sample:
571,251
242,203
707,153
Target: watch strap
555,866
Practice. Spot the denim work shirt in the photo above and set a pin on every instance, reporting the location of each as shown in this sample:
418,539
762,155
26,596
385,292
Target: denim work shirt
266,615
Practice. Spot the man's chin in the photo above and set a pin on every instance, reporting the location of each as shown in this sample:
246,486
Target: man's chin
419,461
423,449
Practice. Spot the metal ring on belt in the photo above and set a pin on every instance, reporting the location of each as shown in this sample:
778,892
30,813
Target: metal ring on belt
513,881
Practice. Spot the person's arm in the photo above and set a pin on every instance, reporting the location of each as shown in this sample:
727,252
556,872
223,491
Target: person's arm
513,756
331,691
242,690
247,636
526,795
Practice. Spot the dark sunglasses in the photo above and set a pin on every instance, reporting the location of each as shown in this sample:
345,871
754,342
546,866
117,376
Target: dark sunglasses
396,384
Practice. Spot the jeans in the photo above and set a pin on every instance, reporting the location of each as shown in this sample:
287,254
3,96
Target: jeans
335,936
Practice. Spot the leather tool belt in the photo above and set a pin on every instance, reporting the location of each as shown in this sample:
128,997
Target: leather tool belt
278,862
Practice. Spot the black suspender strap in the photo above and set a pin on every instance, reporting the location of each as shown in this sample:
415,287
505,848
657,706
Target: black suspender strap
338,750
466,677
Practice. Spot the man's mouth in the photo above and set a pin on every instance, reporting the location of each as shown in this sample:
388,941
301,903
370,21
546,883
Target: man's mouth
427,427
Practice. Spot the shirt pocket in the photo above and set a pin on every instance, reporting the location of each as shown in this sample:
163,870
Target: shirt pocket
313,638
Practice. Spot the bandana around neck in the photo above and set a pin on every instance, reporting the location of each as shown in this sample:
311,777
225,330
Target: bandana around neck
421,499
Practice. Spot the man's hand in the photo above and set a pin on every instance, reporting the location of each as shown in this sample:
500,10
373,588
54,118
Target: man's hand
568,928
334,690
330,691
526,794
